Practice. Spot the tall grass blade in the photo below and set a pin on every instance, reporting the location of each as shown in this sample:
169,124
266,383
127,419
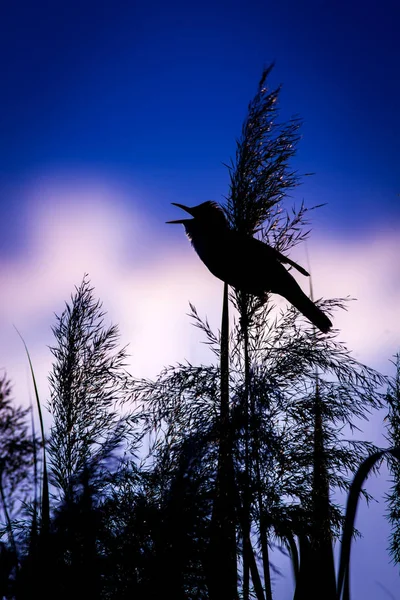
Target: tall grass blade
343,585
33,539
45,524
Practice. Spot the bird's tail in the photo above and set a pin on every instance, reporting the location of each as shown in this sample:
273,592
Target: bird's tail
311,311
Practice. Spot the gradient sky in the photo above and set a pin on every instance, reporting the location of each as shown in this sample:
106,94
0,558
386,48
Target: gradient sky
109,111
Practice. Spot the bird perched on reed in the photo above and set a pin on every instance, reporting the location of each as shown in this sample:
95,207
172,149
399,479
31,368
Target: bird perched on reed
244,262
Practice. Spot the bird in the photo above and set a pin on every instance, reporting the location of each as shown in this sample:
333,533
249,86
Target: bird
245,262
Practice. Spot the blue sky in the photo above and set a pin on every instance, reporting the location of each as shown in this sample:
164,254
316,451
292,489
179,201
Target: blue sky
109,111
156,92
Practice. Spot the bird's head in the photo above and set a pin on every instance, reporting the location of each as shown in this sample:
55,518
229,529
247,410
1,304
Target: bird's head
208,214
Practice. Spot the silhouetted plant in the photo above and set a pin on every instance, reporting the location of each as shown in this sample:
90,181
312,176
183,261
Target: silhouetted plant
393,437
370,463
94,423
16,450
89,390
273,366
156,526
285,384
16,461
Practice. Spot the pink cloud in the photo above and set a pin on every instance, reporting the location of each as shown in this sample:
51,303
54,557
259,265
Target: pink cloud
86,227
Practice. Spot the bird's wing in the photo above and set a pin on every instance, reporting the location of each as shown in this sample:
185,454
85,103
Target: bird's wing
271,253
287,260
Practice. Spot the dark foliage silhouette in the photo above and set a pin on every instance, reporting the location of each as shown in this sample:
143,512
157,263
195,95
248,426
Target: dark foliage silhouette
16,478
89,389
393,436
16,450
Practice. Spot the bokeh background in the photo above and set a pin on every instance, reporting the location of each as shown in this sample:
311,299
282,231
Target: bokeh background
110,111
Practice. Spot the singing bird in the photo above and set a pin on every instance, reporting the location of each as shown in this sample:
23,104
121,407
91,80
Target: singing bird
244,262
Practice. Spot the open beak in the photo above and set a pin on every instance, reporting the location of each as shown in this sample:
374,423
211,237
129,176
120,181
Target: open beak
181,221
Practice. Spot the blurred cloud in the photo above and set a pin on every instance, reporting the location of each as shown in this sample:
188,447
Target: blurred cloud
146,282
368,271
145,287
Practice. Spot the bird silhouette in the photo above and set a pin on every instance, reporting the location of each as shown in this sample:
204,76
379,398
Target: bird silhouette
244,262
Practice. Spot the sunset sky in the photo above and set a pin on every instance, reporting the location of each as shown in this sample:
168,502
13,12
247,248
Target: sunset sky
110,111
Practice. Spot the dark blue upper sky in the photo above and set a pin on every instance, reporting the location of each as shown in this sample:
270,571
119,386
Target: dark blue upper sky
155,93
